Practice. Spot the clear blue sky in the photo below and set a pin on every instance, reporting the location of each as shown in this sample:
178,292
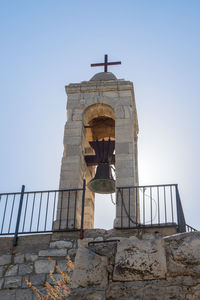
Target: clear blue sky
45,45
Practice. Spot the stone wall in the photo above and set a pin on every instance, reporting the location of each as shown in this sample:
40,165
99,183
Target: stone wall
150,267
113,264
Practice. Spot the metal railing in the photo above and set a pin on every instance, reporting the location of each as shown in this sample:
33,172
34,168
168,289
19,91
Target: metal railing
190,228
37,211
42,211
150,206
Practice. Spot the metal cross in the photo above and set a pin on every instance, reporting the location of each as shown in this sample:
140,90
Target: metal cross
106,63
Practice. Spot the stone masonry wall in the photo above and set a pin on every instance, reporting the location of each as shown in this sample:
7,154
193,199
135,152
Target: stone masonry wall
113,264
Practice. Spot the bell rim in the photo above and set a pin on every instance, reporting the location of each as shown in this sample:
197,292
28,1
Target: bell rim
110,180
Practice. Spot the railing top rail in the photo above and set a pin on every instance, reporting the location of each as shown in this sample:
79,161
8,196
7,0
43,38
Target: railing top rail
80,189
5,194
146,186
45,191
190,227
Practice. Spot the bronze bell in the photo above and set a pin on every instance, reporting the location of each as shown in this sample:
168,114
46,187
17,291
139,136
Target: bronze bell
103,182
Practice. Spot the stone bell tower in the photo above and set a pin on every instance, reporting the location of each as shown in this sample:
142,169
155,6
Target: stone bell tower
102,108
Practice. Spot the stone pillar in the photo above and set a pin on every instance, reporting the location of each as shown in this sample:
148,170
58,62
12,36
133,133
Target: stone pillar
126,129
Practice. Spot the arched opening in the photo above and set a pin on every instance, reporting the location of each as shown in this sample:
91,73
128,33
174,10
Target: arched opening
99,123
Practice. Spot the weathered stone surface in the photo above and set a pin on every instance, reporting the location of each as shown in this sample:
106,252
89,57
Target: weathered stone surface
31,257
25,269
23,294
43,266
19,259
61,244
37,279
90,269
84,242
53,252
7,295
1,283
145,290
13,282
139,260
183,254
72,254
2,269
12,270
119,111
181,282
87,294
5,259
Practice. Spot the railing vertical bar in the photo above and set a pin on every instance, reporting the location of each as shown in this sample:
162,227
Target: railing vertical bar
180,214
68,205
39,211
25,211
158,195
129,207
151,204
136,213
75,209
4,213
165,205
19,215
54,204
61,209
47,207
33,206
11,212
82,210
143,206
172,208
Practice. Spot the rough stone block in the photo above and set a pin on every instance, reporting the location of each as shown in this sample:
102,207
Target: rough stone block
7,295
128,112
72,254
61,244
19,258
122,148
77,114
84,242
125,181
183,254
72,140
1,283
13,282
90,269
140,260
12,270
2,269
37,279
25,269
123,135
119,112
5,259
75,96
31,257
43,266
126,93
53,252
24,294
111,94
